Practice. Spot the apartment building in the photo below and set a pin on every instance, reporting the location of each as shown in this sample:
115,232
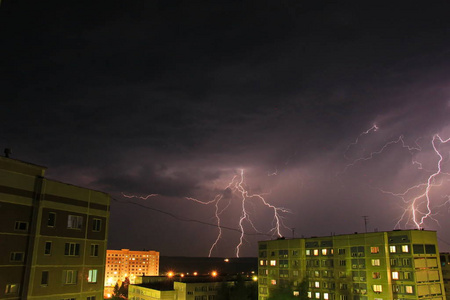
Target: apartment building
377,265
53,236
126,263
445,265
181,288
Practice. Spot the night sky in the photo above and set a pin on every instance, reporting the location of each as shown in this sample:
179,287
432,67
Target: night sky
175,98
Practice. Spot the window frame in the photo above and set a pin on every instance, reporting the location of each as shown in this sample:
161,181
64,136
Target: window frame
96,225
72,249
92,276
51,220
45,282
13,256
48,251
18,223
75,222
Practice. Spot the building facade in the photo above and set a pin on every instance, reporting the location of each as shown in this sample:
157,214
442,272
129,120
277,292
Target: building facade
445,265
377,265
126,263
53,236
181,288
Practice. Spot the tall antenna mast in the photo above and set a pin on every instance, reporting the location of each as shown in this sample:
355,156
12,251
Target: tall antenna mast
365,222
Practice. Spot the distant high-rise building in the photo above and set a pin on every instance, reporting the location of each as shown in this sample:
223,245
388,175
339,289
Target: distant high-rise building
126,263
445,264
52,236
378,265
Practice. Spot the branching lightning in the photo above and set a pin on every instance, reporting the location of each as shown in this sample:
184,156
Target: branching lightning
373,128
416,198
236,185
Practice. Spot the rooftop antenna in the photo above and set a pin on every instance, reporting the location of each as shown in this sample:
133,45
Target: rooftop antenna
365,222
7,152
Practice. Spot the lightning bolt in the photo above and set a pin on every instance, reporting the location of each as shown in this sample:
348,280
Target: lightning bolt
236,185
420,215
417,198
373,128
140,197
381,150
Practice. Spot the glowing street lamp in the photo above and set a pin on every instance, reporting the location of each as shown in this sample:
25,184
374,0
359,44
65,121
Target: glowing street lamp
170,274
213,273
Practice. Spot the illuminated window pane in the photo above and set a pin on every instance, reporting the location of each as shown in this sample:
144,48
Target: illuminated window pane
316,252
325,296
317,284
405,248
375,262
309,294
317,295
392,249
324,251
394,275
308,252
296,293
409,289
273,263
374,249
273,282
92,277
377,288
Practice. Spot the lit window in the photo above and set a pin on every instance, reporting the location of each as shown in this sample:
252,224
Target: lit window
12,288
374,250
308,252
376,275
392,249
317,284
377,288
309,294
273,282
325,296
316,252
317,295
409,289
405,248
324,251
273,263
74,222
261,262
394,275
92,277
296,293
375,262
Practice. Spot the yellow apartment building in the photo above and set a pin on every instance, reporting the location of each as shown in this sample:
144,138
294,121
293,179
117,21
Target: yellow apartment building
52,236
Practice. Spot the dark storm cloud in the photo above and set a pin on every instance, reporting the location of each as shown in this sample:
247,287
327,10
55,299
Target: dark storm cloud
174,97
